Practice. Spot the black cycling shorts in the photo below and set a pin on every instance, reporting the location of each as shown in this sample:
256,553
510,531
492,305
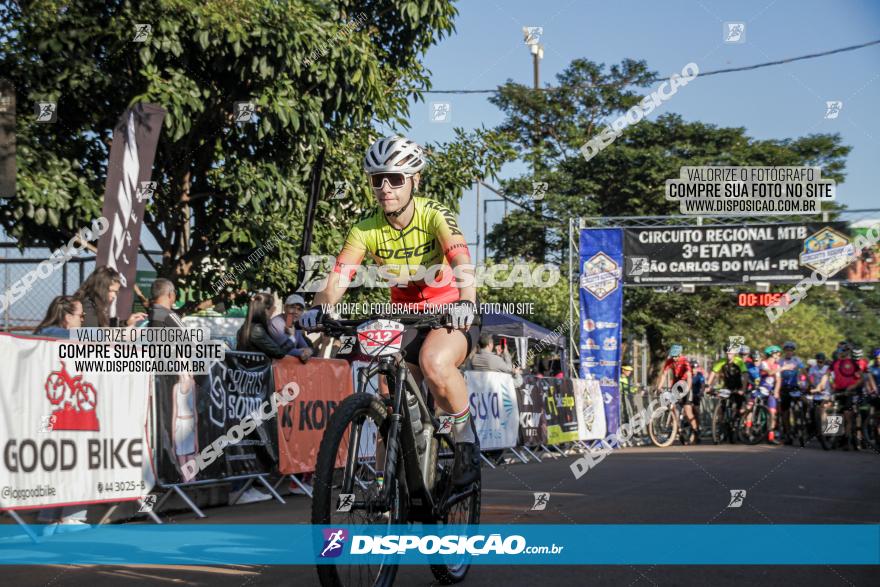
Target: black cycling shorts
413,339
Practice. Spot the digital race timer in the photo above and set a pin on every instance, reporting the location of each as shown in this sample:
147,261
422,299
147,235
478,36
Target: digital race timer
755,300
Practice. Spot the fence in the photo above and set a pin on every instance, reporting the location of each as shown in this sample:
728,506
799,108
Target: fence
25,313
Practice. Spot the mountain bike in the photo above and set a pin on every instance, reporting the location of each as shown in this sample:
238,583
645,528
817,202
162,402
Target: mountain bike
669,421
754,426
871,423
416,450
725,418
797,417
831,420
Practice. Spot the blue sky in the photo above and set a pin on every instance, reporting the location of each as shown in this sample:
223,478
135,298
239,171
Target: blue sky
785,101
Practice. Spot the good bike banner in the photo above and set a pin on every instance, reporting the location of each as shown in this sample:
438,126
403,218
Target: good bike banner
199,429
601,302
559,407
67,438
532,419
672,255
494,408
590,409
319,387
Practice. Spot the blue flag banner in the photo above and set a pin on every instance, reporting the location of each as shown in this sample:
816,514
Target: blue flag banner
494,544
601,297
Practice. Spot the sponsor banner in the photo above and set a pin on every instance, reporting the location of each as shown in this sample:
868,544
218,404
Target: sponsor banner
67,438
532,419
559,408
601,252
128,188
322,384
193,412
520,544
709,255
494,408
590,409
867,264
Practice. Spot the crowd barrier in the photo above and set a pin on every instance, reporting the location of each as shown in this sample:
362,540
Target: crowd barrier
115,437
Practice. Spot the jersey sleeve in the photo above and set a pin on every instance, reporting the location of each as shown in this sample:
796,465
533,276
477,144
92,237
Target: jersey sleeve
716,368
445,227
352,254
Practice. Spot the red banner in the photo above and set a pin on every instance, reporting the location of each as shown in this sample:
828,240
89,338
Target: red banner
322,385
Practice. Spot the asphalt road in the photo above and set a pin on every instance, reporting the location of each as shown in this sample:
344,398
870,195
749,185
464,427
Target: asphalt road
679,485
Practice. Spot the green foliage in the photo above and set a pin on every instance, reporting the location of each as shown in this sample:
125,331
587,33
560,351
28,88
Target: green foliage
319,75
549,304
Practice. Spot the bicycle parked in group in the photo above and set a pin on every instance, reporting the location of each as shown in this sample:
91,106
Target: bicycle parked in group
754,426
416,451
798,417
726,417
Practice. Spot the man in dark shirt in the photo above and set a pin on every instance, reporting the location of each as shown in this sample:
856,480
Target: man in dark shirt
162,298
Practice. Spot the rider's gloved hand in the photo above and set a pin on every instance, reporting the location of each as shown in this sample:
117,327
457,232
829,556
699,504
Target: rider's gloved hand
310,319
462,314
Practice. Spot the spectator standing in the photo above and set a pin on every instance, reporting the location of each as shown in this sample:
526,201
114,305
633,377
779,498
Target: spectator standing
162,298
283,331
486,360
64,313
97,293
253,336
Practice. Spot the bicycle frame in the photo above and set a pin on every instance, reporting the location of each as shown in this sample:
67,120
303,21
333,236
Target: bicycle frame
402,444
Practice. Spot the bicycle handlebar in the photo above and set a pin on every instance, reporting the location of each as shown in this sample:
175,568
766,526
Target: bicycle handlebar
333,327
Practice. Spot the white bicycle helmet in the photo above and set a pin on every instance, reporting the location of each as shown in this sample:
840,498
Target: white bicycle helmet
394,154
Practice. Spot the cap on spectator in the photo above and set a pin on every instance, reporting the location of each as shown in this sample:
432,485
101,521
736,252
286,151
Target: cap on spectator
626,368
295,299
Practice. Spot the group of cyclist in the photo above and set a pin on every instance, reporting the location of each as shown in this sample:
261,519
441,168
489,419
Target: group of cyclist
777,374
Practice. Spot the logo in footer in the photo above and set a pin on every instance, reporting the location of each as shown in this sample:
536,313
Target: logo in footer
333,541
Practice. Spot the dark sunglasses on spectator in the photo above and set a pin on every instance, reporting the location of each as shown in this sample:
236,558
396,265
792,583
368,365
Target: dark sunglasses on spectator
395,180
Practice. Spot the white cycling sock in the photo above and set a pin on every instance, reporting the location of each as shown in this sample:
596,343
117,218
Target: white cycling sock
461,426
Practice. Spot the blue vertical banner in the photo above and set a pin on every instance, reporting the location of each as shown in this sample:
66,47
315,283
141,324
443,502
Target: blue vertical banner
601,296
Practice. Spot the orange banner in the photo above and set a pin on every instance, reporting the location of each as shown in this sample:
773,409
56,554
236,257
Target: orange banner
322,385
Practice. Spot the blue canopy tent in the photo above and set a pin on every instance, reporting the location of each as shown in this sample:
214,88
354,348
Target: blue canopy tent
522,330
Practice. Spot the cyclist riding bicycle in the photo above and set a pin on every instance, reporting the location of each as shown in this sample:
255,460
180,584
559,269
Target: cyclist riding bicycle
817,375
733,375
874,371
769,382
846,380
790,370
680,370
754,372
405,233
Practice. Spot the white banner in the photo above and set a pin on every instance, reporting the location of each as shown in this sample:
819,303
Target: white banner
68,438
494,408
589,408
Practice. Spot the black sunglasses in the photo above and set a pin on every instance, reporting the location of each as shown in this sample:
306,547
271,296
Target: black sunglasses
395,180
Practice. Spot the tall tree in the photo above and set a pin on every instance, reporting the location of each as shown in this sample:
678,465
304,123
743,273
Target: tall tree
318,74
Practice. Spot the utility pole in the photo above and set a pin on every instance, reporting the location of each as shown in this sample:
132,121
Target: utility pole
532,39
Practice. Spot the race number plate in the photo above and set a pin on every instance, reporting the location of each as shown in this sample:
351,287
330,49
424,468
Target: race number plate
380,337
723,393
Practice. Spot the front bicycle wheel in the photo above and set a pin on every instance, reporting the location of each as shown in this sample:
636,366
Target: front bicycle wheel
800,422
871,430
755,425
720,423
348,491
663,427
464,512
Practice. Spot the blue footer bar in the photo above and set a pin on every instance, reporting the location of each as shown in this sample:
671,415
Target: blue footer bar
290,544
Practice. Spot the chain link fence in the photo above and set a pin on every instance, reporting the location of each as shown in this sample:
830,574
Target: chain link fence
27,311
